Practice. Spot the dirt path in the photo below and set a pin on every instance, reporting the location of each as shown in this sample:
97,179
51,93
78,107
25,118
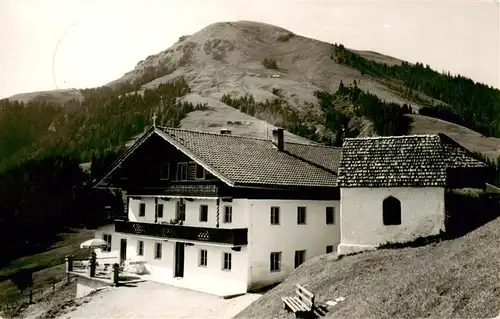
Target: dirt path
153,300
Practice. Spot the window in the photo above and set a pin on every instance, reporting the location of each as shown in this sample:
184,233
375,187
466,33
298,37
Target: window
140,248
275,215
159,211
329,249
300,257
228,214
157,250
165,171
203,213
194,171
391,211
191,174
107,238
301,215
200,172
180,211
203,258
275,261
226,265
182,171
142,209
330,215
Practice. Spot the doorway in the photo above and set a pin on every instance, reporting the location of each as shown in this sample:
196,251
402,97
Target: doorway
123,250
179,260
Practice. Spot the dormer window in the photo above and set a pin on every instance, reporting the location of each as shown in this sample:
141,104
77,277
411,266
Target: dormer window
182,172
200,172
195,171
165,171
191,171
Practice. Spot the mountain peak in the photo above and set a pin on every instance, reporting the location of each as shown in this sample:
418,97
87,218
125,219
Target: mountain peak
243,25
272,67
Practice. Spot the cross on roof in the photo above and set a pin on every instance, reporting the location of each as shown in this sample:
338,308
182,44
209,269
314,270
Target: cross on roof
154,119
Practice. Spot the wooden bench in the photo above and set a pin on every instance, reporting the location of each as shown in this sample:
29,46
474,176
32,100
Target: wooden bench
300,304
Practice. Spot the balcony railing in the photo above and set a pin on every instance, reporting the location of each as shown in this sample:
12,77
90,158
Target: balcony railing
236,237
185,189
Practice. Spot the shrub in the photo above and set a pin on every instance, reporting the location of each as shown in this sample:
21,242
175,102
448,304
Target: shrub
277,92
270,64
285,37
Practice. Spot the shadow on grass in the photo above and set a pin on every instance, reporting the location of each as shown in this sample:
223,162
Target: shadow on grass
465,212
129,285
265,289
319,311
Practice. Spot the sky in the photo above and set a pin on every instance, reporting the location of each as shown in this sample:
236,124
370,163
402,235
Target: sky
58,44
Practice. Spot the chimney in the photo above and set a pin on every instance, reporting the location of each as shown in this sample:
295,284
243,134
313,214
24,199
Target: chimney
225,131
278,139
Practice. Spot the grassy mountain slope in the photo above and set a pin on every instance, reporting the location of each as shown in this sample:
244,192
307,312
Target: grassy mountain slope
476,142
456,278
227,59
54,96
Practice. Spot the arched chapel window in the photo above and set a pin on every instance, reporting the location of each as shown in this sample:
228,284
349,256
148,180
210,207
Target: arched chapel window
391,211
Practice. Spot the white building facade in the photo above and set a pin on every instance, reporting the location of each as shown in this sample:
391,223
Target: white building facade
211,226
393,189
363,227
273,230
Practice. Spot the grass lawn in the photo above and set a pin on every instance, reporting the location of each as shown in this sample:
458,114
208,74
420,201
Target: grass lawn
49,266
457,278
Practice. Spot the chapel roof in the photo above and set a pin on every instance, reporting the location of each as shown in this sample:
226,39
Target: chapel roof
401,161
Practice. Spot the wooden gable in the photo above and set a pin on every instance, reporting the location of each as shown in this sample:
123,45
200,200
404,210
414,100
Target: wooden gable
155,163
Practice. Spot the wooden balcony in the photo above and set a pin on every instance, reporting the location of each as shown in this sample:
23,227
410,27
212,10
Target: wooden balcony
201,189
177,189
235,237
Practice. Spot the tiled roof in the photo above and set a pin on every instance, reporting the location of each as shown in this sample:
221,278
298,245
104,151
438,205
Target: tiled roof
324,156
399,161
245,160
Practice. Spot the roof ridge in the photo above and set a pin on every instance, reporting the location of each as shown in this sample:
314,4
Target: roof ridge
239,136
212,133
315,145
390,137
